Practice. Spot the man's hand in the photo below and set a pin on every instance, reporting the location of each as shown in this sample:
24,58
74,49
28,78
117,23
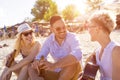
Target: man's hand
43,64
47,65
35,64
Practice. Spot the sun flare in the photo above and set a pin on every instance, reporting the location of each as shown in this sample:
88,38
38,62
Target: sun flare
79,4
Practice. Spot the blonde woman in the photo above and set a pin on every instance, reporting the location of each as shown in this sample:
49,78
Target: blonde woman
100,25
28,47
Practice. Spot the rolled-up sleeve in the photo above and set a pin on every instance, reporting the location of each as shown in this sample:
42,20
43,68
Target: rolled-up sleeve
44,50
75,48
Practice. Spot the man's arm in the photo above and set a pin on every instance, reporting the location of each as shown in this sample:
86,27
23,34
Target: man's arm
75,47
44,50
74,56
66,61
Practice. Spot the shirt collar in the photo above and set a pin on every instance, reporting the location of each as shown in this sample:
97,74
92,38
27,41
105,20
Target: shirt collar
53,37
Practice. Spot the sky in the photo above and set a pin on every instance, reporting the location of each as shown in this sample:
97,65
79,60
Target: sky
15,11
78,3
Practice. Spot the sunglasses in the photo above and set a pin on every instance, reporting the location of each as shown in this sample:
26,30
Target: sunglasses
59,28
27,33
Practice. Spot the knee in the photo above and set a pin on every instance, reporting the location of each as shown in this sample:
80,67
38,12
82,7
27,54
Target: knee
71,71
79,67
29,68
75,67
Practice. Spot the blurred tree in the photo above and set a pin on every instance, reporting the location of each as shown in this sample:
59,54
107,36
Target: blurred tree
51,11
43,9
70,12
93,4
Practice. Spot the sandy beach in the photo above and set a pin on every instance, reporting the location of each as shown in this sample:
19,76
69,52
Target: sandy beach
87,46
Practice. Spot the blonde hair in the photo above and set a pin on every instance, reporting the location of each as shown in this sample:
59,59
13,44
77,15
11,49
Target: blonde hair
19,43
105,19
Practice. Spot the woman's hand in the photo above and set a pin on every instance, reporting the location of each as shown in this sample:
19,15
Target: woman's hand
35,64
8,56
5,76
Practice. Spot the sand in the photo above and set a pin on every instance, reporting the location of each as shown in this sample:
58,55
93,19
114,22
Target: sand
87,46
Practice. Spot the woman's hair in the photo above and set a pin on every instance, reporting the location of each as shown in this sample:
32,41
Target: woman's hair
19,43
105,19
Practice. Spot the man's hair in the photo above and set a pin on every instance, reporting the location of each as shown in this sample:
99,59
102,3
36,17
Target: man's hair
54,18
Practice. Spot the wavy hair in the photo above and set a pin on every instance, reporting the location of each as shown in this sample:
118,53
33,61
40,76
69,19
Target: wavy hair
19,43
105,19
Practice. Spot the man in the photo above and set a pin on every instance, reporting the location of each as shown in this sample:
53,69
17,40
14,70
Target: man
64,49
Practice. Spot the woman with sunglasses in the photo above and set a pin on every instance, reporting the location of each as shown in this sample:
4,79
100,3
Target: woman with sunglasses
100,25
28,47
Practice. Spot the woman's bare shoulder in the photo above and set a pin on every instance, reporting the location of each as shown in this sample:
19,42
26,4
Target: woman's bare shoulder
37,43
116,52
116,49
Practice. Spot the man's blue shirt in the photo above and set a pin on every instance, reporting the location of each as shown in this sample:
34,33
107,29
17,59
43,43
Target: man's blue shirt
70,45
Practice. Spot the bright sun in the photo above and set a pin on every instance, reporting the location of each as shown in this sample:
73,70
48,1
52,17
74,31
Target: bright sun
80,5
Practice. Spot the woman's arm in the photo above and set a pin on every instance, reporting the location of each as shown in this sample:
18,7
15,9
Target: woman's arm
116,63
91,58
35,50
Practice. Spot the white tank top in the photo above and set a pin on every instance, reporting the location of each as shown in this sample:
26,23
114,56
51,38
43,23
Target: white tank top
105,63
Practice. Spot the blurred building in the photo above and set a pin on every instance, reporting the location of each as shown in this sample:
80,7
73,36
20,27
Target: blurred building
112,5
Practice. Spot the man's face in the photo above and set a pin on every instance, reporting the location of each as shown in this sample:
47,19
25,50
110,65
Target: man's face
59,29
